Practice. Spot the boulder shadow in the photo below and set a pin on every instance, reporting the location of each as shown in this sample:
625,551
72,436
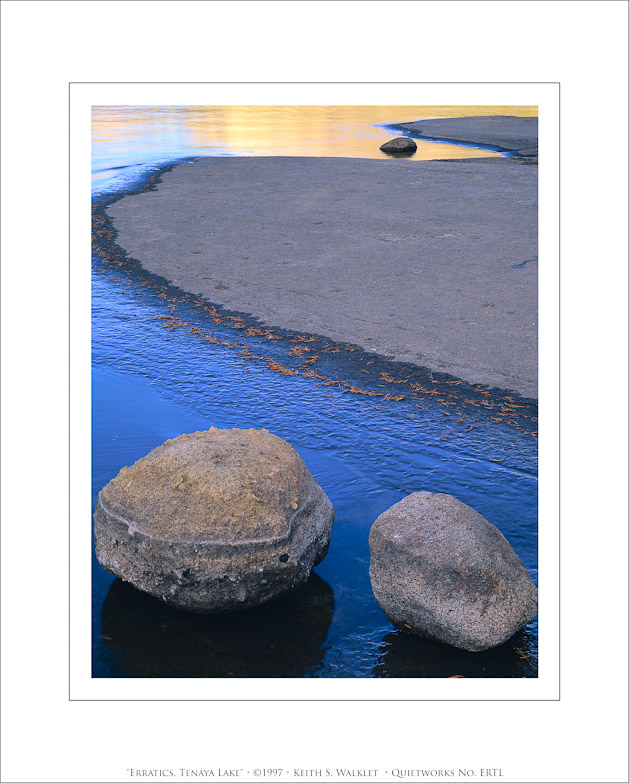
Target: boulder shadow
281,639
405,655
399,153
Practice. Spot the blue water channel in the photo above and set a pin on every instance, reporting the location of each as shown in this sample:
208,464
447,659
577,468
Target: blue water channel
370,431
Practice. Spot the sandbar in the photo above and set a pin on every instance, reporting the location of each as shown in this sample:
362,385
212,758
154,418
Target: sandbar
509,134
428,262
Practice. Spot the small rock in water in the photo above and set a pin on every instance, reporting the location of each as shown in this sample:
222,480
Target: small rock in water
214,521
401,145
440,570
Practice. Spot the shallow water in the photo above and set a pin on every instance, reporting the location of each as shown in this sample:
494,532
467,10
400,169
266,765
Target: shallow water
127,139
165,363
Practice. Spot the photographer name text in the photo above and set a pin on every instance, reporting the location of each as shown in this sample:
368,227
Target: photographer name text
332,774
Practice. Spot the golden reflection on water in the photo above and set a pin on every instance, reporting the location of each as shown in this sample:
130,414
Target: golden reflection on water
313,131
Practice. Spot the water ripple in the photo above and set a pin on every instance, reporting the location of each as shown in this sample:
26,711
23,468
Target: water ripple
165,363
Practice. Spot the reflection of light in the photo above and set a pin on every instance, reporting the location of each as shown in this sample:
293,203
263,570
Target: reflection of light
320,131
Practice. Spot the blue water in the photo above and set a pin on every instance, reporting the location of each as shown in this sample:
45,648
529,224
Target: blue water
155,377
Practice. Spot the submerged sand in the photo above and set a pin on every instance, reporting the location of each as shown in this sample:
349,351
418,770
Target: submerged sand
433,263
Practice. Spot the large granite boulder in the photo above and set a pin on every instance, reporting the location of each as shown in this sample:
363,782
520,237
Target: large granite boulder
401,145
214,521
440,570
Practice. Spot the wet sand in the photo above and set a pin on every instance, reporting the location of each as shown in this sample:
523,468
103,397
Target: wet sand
433,263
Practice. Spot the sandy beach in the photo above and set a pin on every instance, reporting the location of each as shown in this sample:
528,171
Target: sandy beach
433,263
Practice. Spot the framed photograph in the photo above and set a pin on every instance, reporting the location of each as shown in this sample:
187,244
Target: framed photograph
314,365
299,303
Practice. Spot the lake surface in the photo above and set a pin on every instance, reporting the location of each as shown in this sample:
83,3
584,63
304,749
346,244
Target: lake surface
129,139
369,430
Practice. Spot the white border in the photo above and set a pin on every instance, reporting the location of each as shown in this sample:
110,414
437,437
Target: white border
83,96
583,45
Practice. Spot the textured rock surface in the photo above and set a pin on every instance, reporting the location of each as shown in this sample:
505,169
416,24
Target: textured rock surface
401,144
515,134
440,570
214,521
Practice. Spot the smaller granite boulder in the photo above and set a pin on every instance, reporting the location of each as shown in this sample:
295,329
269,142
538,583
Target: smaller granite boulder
440,570
401,145
214,521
